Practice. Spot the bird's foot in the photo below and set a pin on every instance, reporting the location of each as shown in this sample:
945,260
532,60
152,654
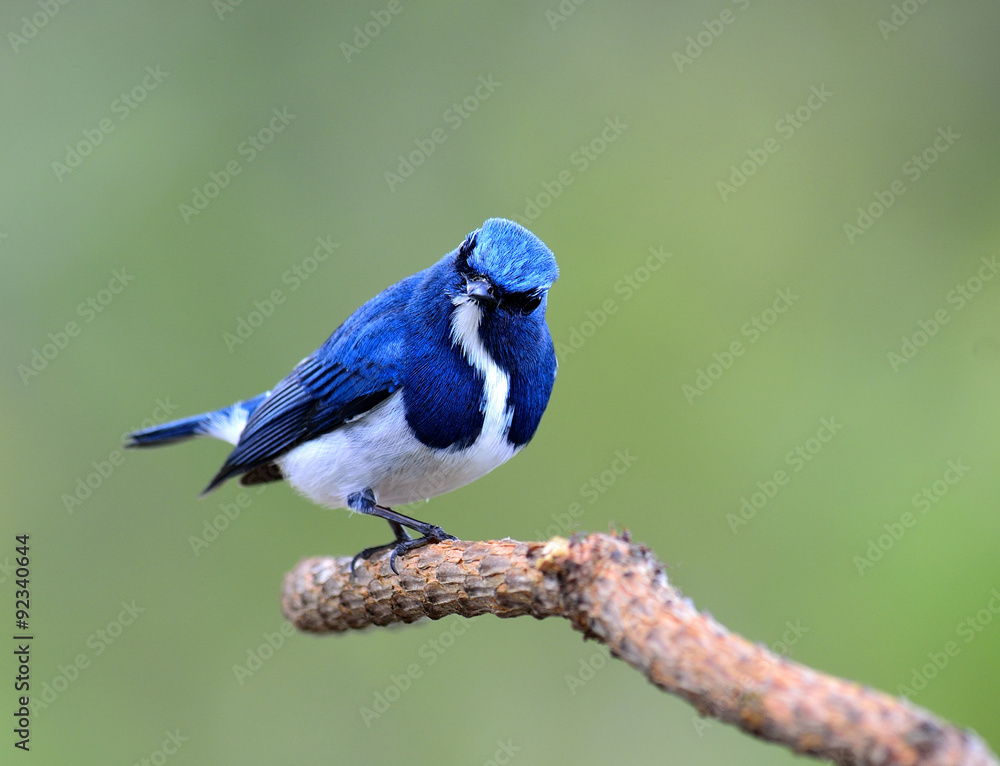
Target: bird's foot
402,545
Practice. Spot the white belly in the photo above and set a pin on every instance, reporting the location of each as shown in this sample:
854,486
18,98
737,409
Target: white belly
379,451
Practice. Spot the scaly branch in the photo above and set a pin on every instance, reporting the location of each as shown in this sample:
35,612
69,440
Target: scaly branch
617,593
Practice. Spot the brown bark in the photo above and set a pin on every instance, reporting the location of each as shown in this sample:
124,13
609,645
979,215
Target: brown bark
617,593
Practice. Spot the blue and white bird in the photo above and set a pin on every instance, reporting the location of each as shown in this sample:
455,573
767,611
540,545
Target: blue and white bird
428,386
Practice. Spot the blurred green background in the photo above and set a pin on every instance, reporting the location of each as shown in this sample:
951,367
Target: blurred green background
614,131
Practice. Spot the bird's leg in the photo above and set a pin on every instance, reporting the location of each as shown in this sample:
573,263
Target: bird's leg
364,502
401,534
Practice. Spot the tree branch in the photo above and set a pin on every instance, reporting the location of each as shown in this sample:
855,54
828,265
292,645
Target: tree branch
617,593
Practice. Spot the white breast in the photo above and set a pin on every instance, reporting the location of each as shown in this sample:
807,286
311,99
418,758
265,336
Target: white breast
465,334
379,451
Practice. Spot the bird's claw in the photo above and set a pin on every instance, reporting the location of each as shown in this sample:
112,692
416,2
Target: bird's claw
434,535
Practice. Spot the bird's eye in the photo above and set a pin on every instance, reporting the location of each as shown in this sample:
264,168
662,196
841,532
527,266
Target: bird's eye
531,304
522,303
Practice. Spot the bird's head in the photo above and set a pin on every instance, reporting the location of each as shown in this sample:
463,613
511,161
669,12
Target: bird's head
503,266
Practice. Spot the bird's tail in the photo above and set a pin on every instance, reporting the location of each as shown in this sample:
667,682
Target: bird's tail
226,424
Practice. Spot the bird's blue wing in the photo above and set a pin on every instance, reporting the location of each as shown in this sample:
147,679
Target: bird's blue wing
356,369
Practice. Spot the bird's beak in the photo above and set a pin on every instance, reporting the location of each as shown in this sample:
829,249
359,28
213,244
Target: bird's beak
480,290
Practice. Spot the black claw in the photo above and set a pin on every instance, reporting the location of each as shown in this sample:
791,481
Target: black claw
400,546
435,535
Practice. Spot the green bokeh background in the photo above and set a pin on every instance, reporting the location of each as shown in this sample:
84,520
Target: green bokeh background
621,389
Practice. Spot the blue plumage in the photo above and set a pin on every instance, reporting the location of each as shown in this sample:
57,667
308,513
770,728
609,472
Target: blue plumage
429,385
527,353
